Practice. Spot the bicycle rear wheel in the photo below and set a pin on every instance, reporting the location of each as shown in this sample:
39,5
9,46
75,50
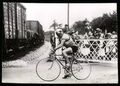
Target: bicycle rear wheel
48,71
81,68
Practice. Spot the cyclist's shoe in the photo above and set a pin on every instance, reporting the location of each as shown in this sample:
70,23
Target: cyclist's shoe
49,60
67,76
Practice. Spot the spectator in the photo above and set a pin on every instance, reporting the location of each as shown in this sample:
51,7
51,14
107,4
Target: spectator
109,46
101,41
97,33
52,40
85,46
114,35
114,42
65,29
101,51
90,34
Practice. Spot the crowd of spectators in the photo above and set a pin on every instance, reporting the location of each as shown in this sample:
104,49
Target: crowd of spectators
98,34
98,46
101,44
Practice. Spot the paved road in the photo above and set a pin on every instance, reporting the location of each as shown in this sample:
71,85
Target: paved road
101,73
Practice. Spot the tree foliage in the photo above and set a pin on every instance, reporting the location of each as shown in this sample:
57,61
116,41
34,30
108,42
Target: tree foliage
107,21
80,26
54,25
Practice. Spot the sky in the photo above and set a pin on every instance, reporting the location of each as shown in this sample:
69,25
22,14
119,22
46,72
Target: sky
45,13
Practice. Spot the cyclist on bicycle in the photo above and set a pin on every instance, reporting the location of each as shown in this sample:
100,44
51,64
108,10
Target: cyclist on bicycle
71,47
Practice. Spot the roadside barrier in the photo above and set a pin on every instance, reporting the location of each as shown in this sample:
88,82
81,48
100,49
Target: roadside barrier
98,49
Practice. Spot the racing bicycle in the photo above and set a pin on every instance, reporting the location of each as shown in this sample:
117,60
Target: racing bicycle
80,67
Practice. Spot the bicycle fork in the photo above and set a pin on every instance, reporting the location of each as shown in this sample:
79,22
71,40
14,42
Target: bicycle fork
51,66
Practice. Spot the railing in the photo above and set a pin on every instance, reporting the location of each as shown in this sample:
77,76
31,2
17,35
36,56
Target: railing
98,49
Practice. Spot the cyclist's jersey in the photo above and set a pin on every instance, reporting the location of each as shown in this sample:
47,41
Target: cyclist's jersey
68,40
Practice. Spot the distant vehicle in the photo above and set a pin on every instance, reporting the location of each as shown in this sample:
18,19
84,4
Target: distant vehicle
15,32
35,33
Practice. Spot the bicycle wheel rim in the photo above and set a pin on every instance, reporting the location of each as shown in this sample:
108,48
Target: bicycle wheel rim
82,69
50,71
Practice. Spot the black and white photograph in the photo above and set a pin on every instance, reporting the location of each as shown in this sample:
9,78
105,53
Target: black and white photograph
60,43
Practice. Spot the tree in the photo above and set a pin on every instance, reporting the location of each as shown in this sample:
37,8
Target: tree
106,22
96,23
80,26
114,24
54,25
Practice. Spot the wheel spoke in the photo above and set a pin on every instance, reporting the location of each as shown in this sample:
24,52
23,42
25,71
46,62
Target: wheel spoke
81,69
48,71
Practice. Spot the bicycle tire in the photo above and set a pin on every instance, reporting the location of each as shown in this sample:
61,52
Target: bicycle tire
82,69
48,71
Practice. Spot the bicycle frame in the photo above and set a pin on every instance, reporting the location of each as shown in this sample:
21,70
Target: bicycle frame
74,69
62,56
61,62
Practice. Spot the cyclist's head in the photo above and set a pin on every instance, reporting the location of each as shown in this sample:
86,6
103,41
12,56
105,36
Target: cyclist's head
59,32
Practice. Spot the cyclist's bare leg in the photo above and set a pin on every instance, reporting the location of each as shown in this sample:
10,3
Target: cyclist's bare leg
65,54
67,61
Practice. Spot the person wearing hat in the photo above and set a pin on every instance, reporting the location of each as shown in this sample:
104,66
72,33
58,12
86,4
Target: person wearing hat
71,47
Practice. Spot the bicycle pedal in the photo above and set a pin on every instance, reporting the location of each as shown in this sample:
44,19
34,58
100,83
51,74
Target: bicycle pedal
67,76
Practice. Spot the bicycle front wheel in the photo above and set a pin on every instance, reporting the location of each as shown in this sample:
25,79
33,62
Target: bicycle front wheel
48,71
81,68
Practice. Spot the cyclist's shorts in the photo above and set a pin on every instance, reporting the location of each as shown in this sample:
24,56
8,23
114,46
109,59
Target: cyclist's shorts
74,48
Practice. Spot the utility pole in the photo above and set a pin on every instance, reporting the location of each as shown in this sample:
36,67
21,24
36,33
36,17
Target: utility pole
55,36
54,25
68,15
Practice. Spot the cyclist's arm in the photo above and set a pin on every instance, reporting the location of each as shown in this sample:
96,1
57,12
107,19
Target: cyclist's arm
60,45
